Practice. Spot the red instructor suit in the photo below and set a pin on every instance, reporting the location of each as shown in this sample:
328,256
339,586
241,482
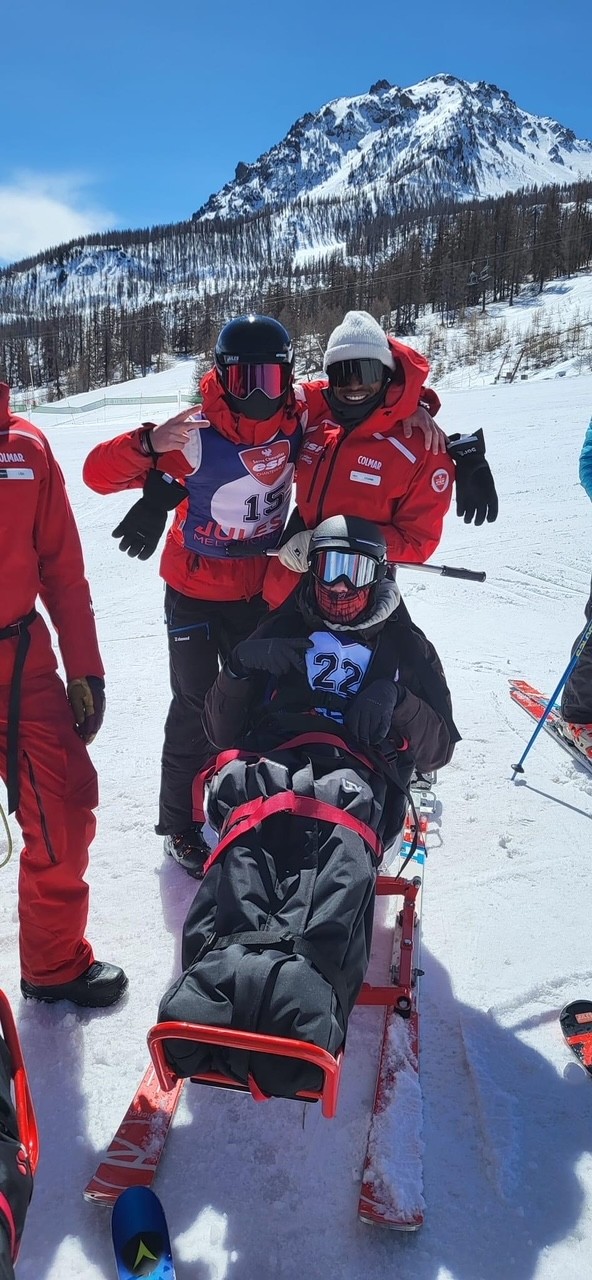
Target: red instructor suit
56,781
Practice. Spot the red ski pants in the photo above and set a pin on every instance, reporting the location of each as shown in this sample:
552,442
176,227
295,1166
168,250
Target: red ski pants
58,792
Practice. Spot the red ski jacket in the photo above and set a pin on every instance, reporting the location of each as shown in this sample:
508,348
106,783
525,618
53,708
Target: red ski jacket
373,471
41,556
120,464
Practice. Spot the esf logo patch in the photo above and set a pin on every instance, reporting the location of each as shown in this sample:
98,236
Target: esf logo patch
268,463
440,480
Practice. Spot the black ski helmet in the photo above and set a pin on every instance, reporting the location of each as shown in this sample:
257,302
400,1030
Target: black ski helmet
352,535
254,358
349,552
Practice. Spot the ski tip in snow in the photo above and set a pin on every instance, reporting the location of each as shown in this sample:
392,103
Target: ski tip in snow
576,1024
140,1236
534,703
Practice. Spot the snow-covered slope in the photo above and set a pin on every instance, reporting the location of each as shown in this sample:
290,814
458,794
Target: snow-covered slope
482,348
442,138
255,1192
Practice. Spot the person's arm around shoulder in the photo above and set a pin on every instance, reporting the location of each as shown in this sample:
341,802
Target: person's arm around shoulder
435,440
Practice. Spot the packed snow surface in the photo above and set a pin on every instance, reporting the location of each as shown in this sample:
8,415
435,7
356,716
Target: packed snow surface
269,1192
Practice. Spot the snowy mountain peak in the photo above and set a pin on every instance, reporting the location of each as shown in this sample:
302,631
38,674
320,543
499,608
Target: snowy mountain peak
440,138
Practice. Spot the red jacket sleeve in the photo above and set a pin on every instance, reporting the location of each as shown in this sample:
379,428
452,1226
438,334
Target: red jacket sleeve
64,589
418,517
119,464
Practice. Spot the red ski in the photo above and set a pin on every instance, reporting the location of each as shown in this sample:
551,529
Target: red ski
576,1024
391,1193
534,702
133,1156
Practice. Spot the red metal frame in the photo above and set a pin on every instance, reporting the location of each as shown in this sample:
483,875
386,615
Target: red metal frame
398,994
25,1112
252,1042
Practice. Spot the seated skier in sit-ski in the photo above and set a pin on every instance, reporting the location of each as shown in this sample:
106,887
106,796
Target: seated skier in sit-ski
322,715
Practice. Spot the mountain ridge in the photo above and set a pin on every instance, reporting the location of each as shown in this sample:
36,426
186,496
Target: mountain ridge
442,137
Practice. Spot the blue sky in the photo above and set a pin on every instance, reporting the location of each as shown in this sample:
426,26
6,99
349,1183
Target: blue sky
125,114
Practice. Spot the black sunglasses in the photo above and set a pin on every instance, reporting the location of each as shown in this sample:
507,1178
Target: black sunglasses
366,372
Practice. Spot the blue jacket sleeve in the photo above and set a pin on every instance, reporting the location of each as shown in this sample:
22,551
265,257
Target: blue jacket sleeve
586,462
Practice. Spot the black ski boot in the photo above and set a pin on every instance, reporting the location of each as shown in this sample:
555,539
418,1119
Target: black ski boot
189,849
100,985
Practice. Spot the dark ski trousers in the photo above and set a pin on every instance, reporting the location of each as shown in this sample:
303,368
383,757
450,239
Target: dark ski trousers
201,634
576,702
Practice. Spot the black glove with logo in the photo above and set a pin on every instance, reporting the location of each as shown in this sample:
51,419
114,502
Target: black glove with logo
369,714
143,526
274,655
476,498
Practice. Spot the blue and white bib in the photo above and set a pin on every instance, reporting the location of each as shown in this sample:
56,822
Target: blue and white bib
238,494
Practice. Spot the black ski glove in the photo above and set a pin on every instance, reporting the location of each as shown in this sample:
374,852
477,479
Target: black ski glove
143,526
275,655
369,715
476,498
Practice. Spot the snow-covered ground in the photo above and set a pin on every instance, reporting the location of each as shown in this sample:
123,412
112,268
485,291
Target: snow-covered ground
270,1192
481,348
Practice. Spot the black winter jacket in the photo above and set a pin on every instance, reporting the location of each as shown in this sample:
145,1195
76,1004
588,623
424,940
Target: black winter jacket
259,711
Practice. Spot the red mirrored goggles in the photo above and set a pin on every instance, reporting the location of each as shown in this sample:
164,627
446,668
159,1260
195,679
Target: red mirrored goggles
350,567
242,379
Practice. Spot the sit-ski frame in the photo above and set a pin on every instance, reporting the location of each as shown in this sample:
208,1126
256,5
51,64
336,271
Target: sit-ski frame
397,995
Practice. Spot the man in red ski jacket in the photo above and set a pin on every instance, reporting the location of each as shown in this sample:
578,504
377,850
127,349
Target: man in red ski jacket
51,782
360,458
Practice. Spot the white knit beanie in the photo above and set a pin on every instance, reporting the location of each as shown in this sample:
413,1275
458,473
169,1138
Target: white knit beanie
358,337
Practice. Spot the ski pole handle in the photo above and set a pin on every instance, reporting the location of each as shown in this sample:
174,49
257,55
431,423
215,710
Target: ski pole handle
445,571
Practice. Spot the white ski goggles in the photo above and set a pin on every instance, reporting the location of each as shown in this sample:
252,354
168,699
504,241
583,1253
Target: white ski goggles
345,566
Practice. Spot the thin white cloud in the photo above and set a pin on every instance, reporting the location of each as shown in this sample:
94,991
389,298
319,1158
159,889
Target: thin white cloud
38,211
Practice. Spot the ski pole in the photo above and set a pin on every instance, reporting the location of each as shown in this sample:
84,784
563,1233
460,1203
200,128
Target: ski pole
445,571
585,637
